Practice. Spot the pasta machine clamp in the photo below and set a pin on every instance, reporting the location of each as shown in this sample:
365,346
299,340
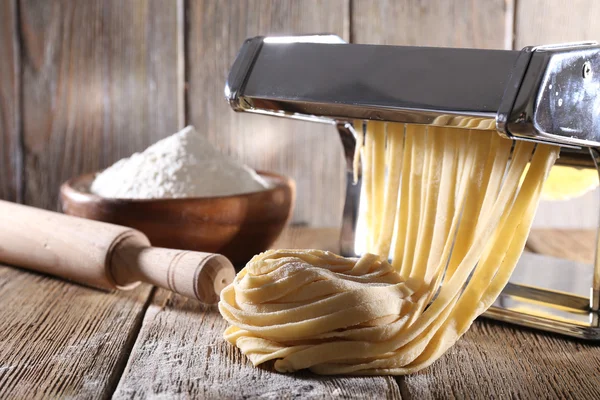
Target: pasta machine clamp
544,94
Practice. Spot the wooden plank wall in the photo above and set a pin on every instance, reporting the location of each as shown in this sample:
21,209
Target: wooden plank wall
10,129
83,84
100,81
459,23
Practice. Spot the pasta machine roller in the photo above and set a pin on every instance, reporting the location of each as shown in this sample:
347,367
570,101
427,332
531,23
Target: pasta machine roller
545,94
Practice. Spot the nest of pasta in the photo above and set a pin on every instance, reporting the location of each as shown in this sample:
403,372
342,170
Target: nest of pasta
448,207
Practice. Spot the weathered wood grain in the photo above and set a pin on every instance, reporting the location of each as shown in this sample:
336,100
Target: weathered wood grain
556,21
496,360
180,352
462,23
63,340
100,81
10,123
308,152
571,244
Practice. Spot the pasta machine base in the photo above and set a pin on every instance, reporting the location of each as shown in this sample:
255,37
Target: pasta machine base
549,293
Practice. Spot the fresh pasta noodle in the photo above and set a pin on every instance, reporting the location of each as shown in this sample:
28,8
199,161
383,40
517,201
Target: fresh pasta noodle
450,208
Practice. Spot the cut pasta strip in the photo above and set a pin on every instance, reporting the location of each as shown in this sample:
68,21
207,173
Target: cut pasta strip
376,130
360,138
395,141
449,208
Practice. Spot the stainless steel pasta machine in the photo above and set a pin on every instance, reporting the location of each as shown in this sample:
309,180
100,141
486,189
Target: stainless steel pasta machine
545,94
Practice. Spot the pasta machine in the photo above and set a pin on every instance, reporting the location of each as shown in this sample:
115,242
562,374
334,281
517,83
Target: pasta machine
545,94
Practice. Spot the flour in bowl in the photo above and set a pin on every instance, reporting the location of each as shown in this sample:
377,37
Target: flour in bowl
182,165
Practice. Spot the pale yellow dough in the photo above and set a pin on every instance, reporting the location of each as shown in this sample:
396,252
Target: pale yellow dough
565,183
447,206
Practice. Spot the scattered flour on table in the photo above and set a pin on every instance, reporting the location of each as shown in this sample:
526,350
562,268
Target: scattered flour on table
182,165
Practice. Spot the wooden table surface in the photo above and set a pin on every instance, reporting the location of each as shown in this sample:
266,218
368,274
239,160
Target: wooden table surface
62,340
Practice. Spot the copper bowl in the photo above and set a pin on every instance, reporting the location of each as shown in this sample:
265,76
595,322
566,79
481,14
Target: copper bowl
237,226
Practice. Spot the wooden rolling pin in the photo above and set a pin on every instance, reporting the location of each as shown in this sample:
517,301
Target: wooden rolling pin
105,256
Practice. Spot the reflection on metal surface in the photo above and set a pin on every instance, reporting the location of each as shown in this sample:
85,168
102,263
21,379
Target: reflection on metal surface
538,94
350,215
555,102
595,291
551,294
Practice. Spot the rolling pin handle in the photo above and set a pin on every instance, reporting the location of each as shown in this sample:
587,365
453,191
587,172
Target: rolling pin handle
189,273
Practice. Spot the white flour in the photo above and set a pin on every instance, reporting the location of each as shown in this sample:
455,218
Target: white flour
182,165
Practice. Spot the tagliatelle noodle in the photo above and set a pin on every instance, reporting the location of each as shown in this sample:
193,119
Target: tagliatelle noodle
447,205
